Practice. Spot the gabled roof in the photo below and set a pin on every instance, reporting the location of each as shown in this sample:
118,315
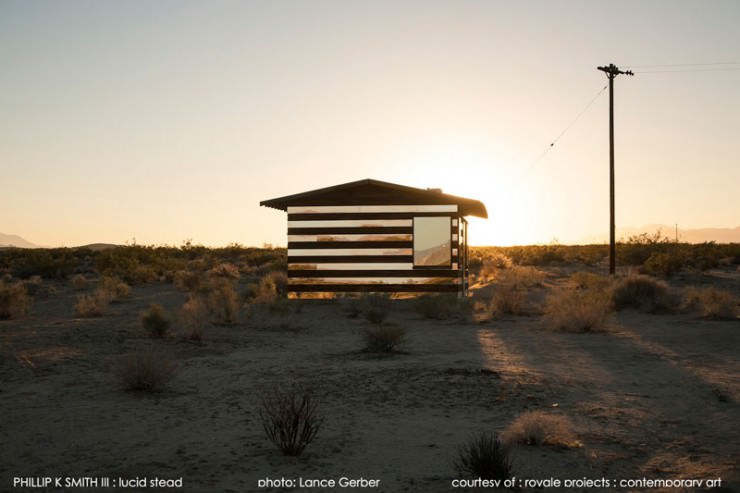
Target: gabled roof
375,192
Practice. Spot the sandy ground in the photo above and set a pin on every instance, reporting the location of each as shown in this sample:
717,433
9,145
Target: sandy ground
642,397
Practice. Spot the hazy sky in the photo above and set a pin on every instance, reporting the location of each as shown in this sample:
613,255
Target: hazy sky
170,120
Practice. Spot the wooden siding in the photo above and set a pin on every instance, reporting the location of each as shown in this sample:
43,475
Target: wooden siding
351,248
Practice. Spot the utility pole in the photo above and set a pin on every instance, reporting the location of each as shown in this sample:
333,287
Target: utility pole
611,72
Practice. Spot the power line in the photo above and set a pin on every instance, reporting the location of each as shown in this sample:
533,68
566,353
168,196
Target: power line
578,117
683,65
728,69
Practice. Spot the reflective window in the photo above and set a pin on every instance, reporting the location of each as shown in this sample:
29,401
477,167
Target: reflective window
432,242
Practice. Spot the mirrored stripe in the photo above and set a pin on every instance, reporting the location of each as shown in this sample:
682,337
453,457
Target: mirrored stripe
351,223
358,266
372,280
348,251
371,208
379,266
354,237
397,288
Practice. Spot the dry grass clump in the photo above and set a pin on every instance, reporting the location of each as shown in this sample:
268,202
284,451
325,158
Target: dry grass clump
155,321
92,305
146,371
641,292
115,289
374,307
521,276
290,419
572,310
484,456
222,302
225,270
193,318
441,306
539,428
508,300
270,287
79,282
589,280
384,338
187,280
491,264
712,302
14,300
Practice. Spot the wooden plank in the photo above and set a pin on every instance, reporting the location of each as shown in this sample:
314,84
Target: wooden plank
399,288
351,230
339,216
371,208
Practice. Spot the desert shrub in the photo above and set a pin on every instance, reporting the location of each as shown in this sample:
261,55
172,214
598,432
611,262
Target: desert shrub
146,371
441,306
14,301
572,310
282,306
640,291
384,338
223,302
187,280
589,280
79,282
267,291
664,263
34,286
508,300
712,302
155,321
193,318
484,456
290,419
490,264
521,276
539,428
374,307
226,270
115,289
250,292
92,305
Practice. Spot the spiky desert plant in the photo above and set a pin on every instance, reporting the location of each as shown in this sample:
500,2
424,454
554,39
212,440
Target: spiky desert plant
290,419
484,456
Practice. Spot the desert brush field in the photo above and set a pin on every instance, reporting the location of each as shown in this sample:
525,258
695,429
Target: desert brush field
189,364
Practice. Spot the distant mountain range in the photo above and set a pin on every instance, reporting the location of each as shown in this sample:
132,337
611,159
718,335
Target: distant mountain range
698,235
15,241
18,242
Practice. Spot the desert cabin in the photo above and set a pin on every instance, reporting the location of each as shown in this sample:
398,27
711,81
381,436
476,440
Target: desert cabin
375,236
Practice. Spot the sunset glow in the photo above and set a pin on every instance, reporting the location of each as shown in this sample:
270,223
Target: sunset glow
162,122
